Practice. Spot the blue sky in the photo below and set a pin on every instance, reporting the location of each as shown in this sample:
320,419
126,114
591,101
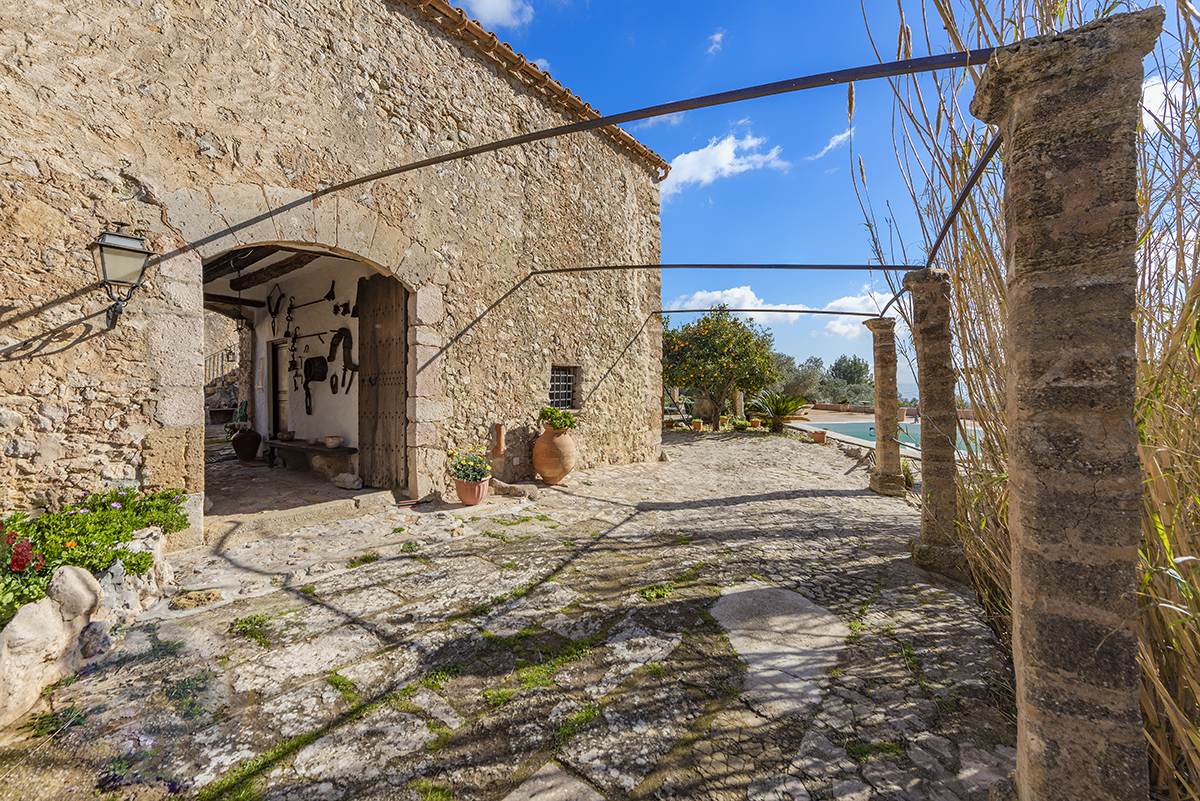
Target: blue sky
764,181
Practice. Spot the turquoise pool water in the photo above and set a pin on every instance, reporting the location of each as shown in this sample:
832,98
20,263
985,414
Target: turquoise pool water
910,433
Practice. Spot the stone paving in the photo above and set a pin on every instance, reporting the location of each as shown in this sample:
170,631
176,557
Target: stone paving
741,622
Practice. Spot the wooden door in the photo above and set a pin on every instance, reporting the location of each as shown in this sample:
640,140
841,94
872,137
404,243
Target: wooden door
279,387
383,382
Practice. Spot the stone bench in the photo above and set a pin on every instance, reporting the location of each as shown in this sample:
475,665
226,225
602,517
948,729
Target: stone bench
329,462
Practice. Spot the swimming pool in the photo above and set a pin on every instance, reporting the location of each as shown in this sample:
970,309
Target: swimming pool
910,433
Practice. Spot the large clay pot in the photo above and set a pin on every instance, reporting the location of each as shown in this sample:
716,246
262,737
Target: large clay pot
554,455
245,445
471,492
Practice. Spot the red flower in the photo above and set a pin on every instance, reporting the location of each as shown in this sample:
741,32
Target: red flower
11,538
39,561
22,555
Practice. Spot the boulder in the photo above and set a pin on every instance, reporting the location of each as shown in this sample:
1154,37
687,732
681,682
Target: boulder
31,649
75,590
348,481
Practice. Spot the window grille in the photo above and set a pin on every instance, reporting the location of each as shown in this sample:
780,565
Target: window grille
562,387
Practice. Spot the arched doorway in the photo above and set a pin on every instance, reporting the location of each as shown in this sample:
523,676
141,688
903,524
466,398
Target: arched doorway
322,374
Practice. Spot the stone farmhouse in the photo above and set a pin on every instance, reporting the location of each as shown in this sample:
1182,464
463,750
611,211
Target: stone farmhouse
207,127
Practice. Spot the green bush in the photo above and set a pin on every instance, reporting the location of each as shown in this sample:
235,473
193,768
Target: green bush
558,419
89,534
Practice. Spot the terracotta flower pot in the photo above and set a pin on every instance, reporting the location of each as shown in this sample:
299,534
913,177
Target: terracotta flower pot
471,492
554,455
817,437
245,445
697,425
756,423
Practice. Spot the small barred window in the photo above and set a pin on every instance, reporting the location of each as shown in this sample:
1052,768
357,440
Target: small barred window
562,387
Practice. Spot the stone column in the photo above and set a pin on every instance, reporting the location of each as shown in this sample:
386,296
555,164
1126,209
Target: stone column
886,478
1068,107
246,377
739,404
937,548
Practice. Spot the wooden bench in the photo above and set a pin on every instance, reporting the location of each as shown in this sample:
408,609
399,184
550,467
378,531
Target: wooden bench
302,456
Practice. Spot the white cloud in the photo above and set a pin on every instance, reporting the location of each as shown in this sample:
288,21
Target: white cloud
869,302
741,297
542,64
716,40
1155,92
500,13
720,159
835,142
666,119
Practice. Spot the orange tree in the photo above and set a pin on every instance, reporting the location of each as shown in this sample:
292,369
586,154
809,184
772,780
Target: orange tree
716,355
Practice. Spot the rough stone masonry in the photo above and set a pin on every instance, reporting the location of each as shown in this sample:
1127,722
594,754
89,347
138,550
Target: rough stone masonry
207,127
1068,108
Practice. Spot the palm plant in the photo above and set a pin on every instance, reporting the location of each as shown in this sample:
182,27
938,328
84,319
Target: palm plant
776,407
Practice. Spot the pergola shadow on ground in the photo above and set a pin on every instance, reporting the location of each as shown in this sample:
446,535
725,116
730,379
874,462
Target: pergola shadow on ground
578,640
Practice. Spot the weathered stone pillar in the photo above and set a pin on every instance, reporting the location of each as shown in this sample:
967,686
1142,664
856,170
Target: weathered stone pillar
937,548
1068,107
739,404
245,374
887,478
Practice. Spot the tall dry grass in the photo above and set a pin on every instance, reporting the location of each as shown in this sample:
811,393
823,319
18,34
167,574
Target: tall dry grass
937,143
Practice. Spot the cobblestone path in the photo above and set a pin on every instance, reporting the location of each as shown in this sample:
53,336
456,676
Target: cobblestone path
739,623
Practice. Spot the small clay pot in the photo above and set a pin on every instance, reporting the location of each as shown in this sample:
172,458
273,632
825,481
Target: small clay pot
697,425
755,423
471,493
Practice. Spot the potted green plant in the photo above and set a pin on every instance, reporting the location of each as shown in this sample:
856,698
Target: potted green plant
777,407
554,452
697,424
740,425
471,471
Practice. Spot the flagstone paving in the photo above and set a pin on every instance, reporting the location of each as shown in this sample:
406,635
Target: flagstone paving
741,622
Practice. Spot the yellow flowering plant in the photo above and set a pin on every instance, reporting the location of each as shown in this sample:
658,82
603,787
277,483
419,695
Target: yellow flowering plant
470,465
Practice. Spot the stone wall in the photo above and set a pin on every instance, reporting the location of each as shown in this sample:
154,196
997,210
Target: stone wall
207,126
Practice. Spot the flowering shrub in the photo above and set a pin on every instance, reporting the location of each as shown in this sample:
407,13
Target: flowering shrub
89,534
470,466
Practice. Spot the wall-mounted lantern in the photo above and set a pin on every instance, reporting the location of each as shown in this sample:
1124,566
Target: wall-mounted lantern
121,260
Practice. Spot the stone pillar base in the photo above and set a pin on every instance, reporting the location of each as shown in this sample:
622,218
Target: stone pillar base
1002,790
949,561
889,485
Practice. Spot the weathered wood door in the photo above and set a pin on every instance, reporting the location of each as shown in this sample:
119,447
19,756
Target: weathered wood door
383,382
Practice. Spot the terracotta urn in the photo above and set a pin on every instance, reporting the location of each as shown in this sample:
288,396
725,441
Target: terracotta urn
554,454
471,493
245,444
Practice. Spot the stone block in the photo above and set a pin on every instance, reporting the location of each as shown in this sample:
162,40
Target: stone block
356,227
427,306
180,264
422,435
292,212
949,561
190,212
179,407
388,247
324,211
177,344
244,207
426,410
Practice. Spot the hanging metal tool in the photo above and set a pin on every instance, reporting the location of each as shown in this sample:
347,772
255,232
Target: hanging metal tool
346,340
274,304
329,298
